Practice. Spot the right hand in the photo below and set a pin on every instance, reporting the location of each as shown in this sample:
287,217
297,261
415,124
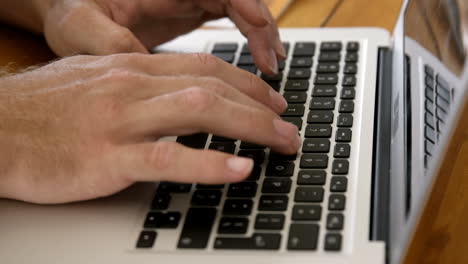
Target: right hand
86,127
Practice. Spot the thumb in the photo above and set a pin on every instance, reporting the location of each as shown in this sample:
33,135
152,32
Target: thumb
92,32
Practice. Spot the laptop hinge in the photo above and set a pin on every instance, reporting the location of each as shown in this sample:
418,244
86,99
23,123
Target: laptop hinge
381,158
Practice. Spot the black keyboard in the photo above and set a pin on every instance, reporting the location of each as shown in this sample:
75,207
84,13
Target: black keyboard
291,198
438,98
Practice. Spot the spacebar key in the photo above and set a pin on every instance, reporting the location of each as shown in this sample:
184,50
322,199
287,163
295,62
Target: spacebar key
257,241
197,228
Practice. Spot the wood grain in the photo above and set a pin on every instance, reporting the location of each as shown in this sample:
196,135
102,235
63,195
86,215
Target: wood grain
441,237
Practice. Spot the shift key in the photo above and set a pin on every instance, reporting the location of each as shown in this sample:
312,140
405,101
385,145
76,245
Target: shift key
197,228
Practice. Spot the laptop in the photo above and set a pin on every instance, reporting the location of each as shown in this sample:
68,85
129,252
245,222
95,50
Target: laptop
375,113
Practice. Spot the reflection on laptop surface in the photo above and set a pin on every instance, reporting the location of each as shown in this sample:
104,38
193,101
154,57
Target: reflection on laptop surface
372,113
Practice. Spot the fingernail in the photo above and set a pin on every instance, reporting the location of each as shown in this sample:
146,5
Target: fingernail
240,165
273,61
278,101
280,49
285,129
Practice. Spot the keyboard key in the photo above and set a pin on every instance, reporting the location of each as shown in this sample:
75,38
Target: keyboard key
281,65
428,147
352,46
326,79
197,228
295,97
225,47
278,156
301,62
342,151
349,80
350,68
429,119
304,49
348,93
256,242
280,168
322,103
320,117
233,225
246,60
343,135
429,92
335,221
429,82
269,221
242,189
245,49
248,145
329,57
299,73
338,184
221,139
297,85
273,203
317,130
196,141
297,121
309,194
330,67
429,106
351,57
430,134
331,46
324,91
258,156
332,242
237,207
170,187
346,106
316,145
442,104
162,220
314,161
146,239
303,237
206,197
442,83
428,70
345,120
255,174
441,115
225,56
210,186
276,185
311,177
276,77
250,68
340,166
307,212
275,85
336,202
227,147
161,201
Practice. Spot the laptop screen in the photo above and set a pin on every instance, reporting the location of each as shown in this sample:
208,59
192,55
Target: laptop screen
441,27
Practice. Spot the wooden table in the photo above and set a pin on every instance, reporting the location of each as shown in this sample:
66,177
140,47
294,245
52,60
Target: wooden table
442,239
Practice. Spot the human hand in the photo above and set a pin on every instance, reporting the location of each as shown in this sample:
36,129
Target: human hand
86,127
102,27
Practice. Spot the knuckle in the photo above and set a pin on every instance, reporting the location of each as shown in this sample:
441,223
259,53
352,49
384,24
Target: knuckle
217,86
197,99
162,155
208,62
120,76
120,41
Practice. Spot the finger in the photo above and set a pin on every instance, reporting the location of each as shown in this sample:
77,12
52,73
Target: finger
252,10
92,32
170,161
201,65
168,84
198,110
264,42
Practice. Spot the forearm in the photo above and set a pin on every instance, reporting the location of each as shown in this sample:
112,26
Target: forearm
27,14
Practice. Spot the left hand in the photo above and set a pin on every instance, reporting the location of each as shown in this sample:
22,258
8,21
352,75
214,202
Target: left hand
102,27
